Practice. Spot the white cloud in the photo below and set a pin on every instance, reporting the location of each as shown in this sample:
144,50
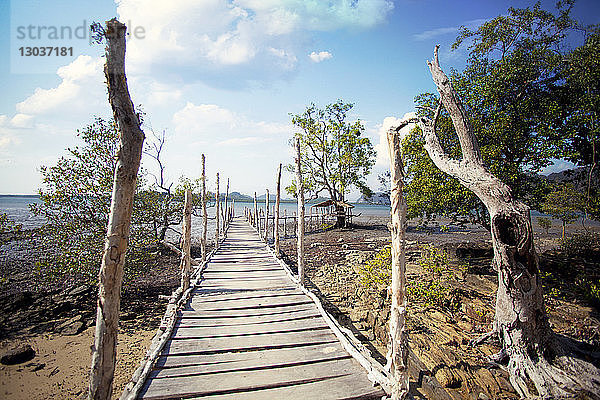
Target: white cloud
82,85
212,123
218,37
22,121
320,56
243,141
383,158
433,33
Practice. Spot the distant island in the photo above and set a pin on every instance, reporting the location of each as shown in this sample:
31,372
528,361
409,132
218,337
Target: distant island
378,198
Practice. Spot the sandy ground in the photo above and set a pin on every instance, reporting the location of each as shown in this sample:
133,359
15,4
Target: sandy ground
61,366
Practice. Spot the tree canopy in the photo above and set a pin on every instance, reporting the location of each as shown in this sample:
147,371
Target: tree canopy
335,155
75,204
518,88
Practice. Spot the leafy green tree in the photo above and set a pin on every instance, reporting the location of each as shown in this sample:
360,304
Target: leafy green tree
335,156
564,203
513,91
581,73
75,204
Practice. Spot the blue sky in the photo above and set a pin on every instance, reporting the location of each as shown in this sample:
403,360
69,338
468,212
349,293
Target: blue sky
221,77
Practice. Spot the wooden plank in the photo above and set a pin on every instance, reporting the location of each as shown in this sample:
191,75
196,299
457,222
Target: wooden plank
276,326
341,388
245,312
224,321
247,284
203,294
241,358
256,363
238,382
246,343
248,301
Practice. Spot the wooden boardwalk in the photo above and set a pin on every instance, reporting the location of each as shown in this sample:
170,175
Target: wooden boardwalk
249,332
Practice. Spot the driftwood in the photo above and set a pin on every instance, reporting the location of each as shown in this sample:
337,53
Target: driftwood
204,213
536,356
300,194
397,356
277,200
117,235
187,232
177,251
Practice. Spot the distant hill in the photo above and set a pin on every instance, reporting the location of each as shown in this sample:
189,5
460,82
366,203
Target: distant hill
378,198
577,176
237,196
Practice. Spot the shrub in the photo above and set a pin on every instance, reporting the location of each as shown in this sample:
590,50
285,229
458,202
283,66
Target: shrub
545,223
377,272
432,290
584,245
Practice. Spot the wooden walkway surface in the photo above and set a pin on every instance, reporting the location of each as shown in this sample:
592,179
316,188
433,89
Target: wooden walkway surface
248,332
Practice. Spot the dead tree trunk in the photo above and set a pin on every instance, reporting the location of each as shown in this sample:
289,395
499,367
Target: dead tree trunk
300,194
538,361
185,264
267,217
277,200
117,235
204,213
217,210
397,355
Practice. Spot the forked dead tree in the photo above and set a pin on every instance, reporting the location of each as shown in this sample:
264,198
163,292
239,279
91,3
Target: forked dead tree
540,362
111,270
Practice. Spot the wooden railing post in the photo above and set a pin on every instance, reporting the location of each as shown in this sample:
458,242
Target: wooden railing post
397,355
119,221
185,248
204,213
300,194
217,211
267,217
226,216
256,220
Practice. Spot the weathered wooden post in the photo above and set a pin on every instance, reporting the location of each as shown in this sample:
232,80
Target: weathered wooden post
204,213
117,235
217,210
256,220
185,248
267,217
397,355
300,194
277,200
226,217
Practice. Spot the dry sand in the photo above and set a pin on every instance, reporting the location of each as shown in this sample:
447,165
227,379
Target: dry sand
61,366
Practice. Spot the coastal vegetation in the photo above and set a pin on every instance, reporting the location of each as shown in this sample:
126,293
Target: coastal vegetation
335,154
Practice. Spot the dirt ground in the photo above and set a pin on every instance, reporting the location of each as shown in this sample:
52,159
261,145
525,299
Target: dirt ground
57,321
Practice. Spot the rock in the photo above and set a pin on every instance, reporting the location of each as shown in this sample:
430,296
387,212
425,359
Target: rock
36,366
21,300
17,355
447,379
72,326
79,290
